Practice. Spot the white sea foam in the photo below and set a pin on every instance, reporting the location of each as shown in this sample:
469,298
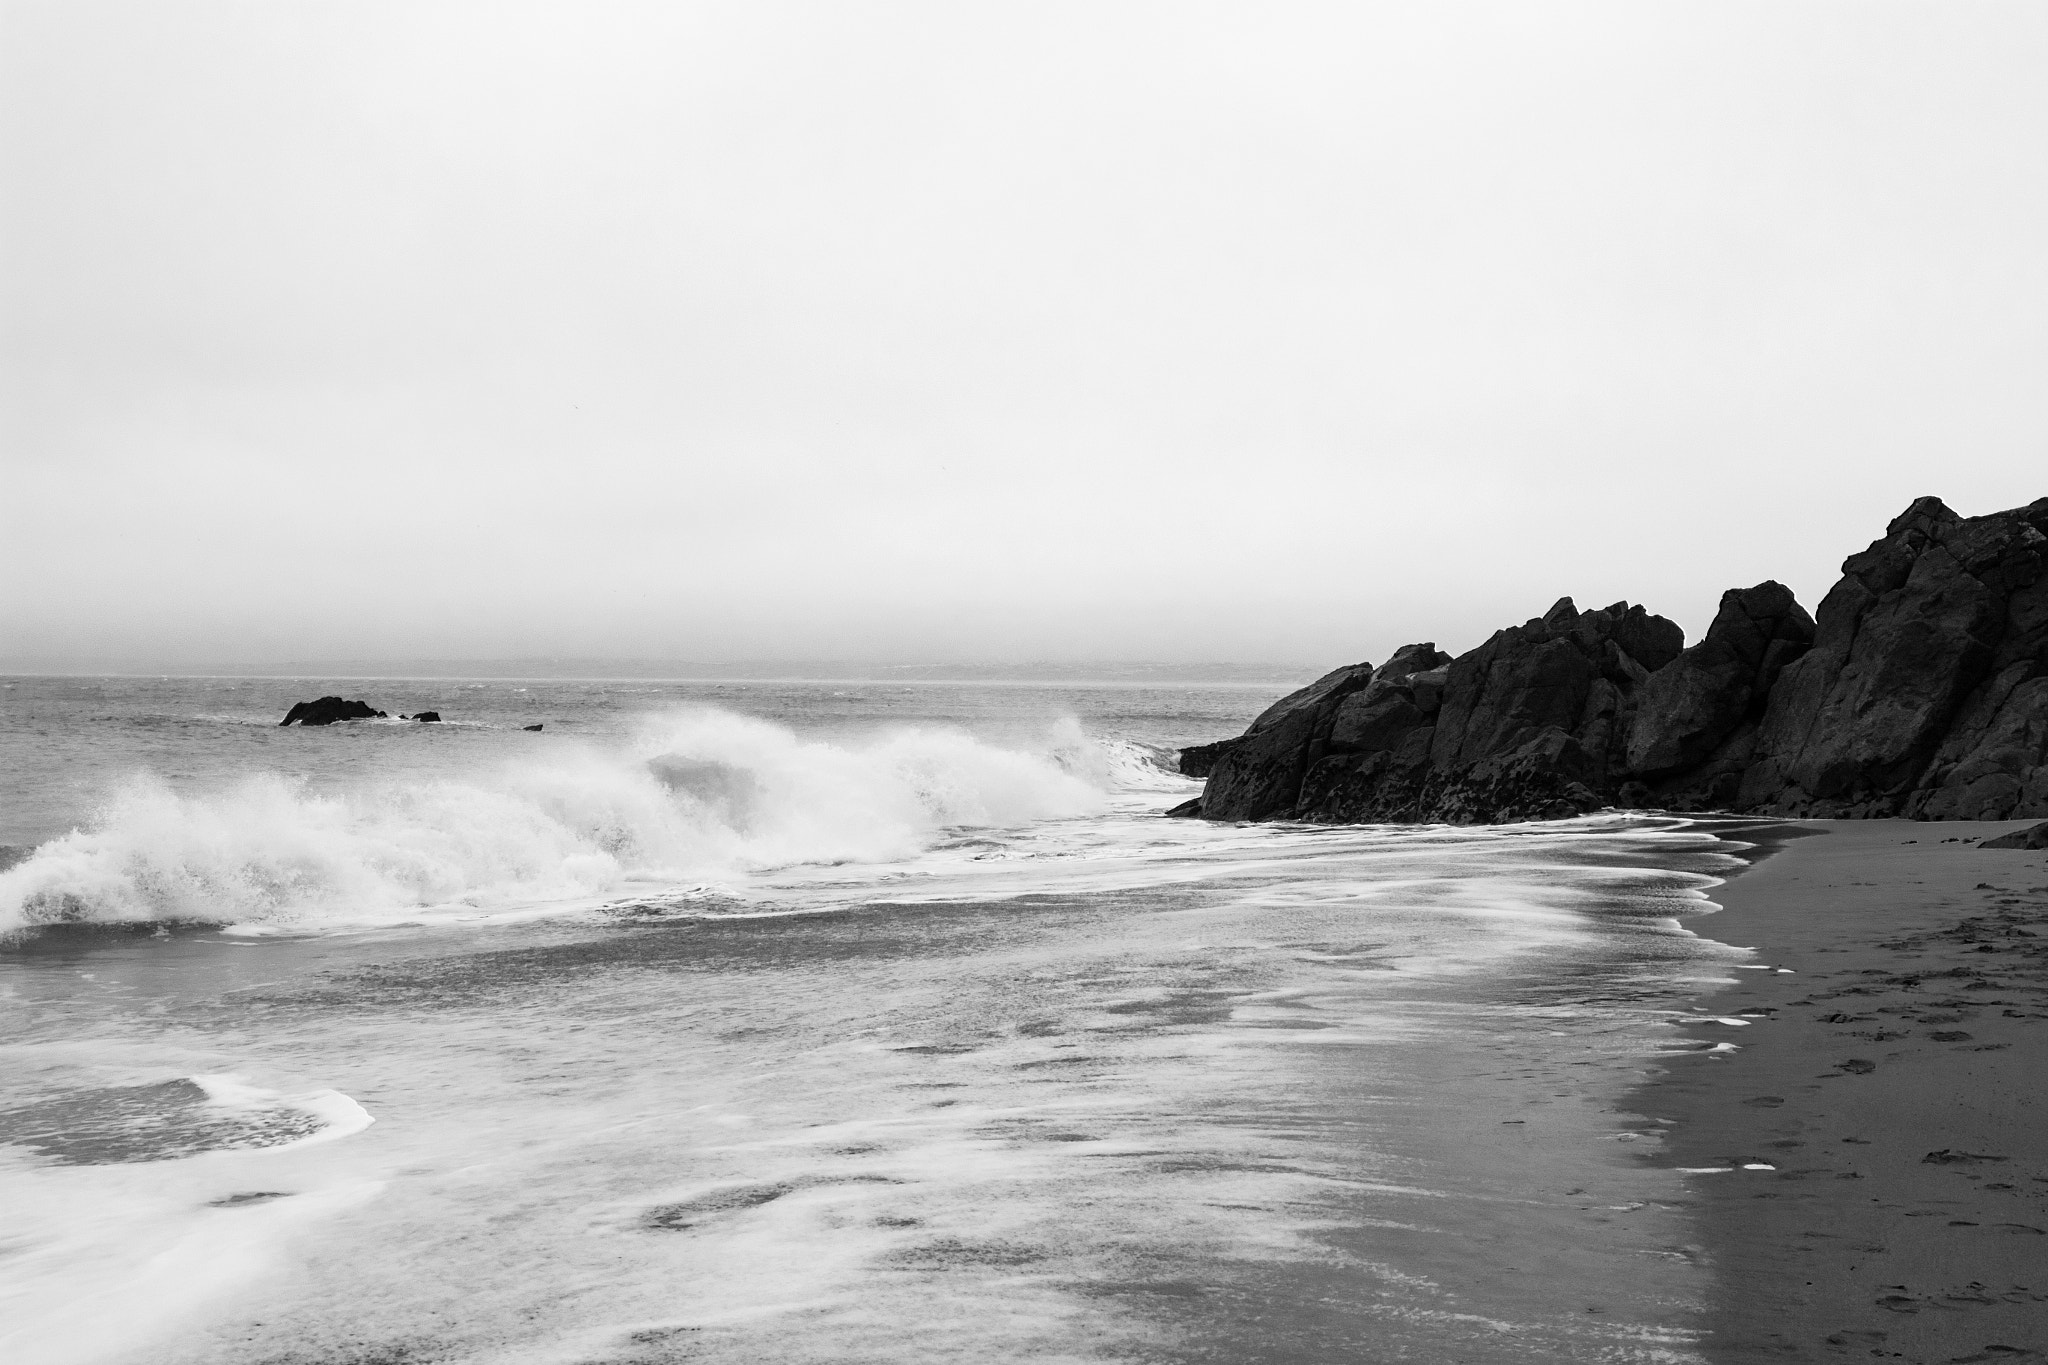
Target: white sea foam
106,1259
330,1113
940,1135
131,1207
695,794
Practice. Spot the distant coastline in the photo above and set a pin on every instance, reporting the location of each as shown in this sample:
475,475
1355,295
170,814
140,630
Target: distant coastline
562,669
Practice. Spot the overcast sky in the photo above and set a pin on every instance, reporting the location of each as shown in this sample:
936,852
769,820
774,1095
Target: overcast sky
992,331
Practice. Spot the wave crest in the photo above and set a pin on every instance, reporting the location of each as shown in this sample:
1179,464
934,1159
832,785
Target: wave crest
695,794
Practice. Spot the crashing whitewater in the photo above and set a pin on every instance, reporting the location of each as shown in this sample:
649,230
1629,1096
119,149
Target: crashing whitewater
691,795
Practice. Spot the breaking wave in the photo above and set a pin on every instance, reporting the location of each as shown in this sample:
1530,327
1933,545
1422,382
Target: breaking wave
695,794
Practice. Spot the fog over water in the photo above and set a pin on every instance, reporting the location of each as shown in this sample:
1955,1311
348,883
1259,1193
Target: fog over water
999,332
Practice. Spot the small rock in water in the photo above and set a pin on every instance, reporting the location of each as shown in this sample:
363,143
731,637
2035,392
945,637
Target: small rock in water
529,727
328,710
428,715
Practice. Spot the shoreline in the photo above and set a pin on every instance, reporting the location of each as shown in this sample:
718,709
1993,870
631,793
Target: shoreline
1893,1083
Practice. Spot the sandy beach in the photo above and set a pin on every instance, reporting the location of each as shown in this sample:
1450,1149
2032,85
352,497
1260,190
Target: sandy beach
1874,1153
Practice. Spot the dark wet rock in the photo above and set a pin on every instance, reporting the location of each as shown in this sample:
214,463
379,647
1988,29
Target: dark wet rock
530,728
1374,720
1525,727
1926,691
1200,760
1687,711
1920,688
1427,689
427,715
328,710
1552,683
1356,711
1186,810
1260,774
2036,837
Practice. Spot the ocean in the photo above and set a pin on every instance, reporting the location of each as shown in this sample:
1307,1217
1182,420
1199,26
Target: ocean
808,1022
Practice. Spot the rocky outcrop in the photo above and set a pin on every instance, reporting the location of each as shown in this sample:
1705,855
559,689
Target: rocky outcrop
328,710
1523,727
1926,691
1921,689
2035,836
1259,776
431,717
1696,719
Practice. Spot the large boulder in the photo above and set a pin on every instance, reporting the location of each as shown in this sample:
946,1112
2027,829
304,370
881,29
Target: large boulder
1565,672
2035,836
1527,726
1687,711
1926,691
1523,727
328,710
1259,776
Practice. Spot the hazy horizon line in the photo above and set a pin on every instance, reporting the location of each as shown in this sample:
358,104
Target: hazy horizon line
593,668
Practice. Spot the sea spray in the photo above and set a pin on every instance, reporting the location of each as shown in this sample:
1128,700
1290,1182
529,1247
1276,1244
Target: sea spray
1115,764
692,794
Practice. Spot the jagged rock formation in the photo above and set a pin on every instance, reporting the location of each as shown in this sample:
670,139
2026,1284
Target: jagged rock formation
2034,837
1696,720
1520,728
1926,692
1922,690
1260,774
328,710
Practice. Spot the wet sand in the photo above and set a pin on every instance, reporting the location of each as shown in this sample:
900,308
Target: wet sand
1897,1083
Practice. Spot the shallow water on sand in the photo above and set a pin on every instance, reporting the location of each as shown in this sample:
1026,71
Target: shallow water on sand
1080,1086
